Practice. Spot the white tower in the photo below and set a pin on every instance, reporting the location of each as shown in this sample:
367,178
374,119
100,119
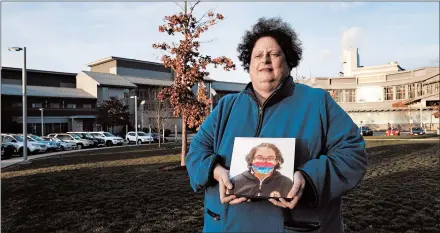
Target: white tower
350,60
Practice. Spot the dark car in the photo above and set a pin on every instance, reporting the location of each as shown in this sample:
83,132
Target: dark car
8,150
366,131
156,137
84,135
417,131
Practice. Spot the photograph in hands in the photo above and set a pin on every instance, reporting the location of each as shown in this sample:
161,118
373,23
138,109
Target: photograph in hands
262,168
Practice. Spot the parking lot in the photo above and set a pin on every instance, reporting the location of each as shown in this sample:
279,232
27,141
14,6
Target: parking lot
17,158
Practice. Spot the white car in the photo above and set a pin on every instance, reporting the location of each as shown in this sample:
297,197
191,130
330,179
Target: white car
79,142
17,141
109,138
141,138
63,145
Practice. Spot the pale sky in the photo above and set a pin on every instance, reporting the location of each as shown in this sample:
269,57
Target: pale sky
64,37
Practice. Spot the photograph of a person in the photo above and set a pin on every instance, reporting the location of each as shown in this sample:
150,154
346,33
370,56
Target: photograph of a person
264,167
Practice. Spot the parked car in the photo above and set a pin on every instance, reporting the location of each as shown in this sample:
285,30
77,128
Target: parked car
17,141
51,146
109,138
394,131
80,143
156,137
85,135
63,145
417,131
141,138
366,131
8,149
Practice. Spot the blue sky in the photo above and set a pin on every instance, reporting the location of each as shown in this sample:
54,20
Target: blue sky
66,36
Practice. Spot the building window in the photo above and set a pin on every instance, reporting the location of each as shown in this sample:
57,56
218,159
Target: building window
69,85
126,93
71,106
87,106
388,93
426,89
54,105
17,105
419,89
436,88
411,91
104,93
400,92
350,96
149,94
37,105
338,96
11,81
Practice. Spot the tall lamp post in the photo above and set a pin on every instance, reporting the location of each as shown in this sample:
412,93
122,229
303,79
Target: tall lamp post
24,86
42,123
135,116
142,115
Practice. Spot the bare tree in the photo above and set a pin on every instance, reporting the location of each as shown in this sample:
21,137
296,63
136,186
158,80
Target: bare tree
158,112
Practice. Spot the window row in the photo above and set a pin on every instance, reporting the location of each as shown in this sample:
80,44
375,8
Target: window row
53,105
343,95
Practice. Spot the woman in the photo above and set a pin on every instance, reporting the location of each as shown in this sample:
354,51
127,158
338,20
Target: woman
262,179
330,156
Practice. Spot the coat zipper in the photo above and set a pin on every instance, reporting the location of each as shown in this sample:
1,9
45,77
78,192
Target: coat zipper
261,111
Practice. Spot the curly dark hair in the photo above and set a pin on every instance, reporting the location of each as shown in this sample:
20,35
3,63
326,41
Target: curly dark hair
281,31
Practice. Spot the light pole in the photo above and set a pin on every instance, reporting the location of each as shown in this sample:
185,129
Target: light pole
135,116
142,115
24,86
42,123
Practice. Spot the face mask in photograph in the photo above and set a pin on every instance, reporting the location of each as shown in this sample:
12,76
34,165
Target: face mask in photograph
263,167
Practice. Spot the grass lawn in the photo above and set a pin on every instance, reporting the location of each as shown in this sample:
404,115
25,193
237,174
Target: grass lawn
127,193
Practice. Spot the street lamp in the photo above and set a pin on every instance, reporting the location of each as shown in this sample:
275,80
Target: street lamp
135,116
24,86
142,116
42,123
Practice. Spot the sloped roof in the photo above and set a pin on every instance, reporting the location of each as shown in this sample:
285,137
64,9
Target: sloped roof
108,79
43,91
148,81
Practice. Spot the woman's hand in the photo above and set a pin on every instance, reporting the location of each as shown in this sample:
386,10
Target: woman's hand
222,176
296,192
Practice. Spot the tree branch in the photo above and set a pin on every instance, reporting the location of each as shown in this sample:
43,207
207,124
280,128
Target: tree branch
179,6
201,42
192,7
203,16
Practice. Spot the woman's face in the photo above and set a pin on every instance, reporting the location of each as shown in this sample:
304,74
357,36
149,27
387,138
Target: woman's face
268,65
264,160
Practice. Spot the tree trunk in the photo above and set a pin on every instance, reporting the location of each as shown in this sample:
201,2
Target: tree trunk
184,142
158,121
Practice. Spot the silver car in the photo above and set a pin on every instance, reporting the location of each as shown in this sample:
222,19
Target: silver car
51,145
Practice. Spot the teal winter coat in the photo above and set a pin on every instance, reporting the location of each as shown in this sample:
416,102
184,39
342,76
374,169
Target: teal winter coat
329,152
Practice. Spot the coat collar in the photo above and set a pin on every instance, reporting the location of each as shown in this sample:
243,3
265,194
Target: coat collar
284,89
